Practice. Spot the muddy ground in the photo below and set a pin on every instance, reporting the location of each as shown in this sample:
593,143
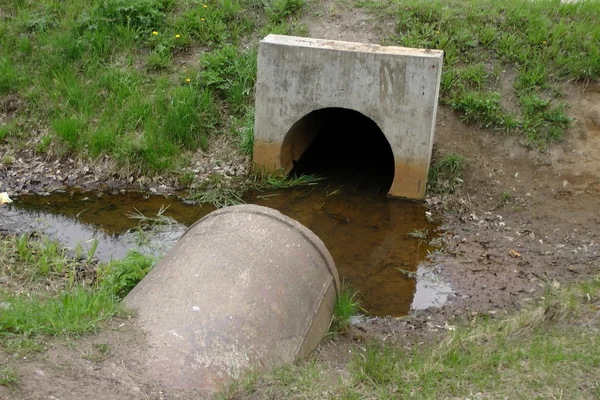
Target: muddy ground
498,256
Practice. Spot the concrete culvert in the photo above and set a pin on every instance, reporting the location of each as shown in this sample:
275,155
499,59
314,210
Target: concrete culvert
246,287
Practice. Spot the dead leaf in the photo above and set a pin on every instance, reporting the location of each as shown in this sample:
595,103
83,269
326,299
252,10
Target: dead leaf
556,284
514,253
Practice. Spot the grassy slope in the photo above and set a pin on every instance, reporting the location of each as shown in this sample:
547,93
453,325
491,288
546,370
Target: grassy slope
503,52
110,77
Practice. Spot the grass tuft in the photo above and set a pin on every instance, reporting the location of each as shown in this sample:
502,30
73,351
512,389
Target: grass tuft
8,376
445,174
120,276
347,305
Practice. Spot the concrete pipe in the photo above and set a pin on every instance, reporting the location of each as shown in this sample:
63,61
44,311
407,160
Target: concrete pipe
246,287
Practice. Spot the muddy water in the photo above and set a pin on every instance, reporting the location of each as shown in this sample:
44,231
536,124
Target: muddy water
366,234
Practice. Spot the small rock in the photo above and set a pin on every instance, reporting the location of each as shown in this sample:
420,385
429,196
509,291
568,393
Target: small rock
514,253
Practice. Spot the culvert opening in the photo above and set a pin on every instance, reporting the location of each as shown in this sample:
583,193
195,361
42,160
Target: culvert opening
343,145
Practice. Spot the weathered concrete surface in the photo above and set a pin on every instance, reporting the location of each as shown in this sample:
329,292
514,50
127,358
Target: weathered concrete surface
394,86
246,287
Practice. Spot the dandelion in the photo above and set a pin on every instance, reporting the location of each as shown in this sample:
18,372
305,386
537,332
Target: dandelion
205,6
184,67
201,19
177,36
188,80
154,33
437,32
544,42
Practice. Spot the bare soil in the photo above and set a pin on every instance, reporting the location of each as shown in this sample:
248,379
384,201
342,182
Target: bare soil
499,255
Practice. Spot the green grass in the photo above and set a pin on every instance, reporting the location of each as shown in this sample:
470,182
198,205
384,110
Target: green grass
547,350
8,376
74,311
347,305
120,276
445,173
115,77
54,291
535,47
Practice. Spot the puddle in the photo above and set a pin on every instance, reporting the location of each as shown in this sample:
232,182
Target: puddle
366,234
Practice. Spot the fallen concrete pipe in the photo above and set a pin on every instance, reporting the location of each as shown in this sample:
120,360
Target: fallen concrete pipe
246,287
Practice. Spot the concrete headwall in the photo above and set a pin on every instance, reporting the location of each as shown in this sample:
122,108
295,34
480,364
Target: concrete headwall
395,87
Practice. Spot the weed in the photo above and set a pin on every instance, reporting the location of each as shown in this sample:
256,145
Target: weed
7,159
244,129
505,197
98,352
219,190
8,376
6,131
9,77
78,65
279,10
44,144
445,174
346,306
418,233
231,74
62,303
186,178
120,276
69,130
159,60
41,259
141,14
376,365
275,181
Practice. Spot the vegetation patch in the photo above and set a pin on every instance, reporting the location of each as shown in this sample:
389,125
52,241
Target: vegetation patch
347,305
115,77
54,291
544,351
445,173
221,190
496,51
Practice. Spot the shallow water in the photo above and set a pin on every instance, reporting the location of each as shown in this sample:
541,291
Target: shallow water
366,234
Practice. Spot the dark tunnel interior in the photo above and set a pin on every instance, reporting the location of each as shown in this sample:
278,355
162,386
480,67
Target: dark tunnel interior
344,146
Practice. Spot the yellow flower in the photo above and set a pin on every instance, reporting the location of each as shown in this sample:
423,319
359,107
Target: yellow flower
437,32
205,6
188,80
154,33
177,36
544,42
201,19
184,67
